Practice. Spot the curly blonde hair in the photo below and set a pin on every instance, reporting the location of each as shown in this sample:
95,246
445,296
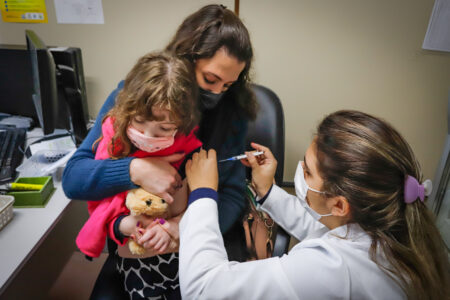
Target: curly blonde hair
157,80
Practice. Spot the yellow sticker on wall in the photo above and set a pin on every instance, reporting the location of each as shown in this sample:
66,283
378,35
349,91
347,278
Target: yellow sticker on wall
24,11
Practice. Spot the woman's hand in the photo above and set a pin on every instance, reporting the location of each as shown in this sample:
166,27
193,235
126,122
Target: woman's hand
201,170
263,169
156,175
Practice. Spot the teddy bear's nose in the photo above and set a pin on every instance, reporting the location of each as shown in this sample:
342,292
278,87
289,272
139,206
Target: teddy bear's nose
163,201
148,202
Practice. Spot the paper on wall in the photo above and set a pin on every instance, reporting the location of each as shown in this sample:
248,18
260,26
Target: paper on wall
79,11
438,32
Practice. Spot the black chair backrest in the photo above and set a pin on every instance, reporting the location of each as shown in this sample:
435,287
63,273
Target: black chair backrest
268,128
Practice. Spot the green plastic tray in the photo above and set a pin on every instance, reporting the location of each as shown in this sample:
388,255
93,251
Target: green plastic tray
33,198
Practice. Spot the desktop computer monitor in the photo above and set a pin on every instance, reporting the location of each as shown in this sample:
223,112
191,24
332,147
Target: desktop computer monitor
16,82
45,94
59,88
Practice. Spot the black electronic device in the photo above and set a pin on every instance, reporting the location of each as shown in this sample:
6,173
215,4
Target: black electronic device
71,91
45,94
16,85
71,57
12,142
16,82
60,71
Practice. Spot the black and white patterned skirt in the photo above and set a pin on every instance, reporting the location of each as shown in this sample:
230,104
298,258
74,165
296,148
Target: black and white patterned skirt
153,277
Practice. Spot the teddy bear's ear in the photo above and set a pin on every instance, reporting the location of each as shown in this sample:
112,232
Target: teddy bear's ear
130,193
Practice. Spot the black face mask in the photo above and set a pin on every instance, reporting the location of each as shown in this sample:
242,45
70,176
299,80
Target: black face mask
209,100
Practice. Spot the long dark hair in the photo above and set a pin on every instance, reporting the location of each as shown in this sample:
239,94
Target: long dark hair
366,160
209,29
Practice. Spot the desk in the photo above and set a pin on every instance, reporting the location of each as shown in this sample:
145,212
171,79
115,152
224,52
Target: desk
36,244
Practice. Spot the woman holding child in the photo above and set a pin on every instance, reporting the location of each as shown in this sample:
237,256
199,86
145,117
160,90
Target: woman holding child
217,45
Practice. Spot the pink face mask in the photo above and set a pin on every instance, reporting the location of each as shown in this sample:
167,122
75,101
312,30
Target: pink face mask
149,143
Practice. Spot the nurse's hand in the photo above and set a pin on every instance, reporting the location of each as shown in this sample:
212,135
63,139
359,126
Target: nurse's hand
263,169
201,170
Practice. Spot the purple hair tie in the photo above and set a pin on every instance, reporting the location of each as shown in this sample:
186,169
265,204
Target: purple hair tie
414,190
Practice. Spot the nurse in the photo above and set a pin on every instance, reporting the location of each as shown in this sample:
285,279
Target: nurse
359,213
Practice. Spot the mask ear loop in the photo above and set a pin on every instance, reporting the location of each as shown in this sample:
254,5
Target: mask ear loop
314,190
309,188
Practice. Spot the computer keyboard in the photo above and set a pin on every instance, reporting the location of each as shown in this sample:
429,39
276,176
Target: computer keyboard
12,142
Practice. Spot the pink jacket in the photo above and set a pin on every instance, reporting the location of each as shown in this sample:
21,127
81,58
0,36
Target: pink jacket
92,237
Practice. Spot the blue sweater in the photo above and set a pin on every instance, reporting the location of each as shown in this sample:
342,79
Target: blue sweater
85,178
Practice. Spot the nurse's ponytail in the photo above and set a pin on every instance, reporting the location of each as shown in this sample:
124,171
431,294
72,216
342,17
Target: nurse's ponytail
367,161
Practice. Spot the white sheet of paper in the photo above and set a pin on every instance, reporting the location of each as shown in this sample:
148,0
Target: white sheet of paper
79,11
438,33
62,143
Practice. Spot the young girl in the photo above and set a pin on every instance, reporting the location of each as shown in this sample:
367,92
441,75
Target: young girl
154,115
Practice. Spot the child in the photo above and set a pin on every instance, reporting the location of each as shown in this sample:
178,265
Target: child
154,115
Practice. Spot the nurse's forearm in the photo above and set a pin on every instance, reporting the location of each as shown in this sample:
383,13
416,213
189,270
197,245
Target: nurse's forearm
287,211
208,241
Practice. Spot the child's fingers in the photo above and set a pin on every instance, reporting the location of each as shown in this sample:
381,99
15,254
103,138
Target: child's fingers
163,248
165,225
151,243
148,235
152,224
159,245
139,233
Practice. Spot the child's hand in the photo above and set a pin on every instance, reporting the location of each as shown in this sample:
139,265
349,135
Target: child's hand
130,224
155,237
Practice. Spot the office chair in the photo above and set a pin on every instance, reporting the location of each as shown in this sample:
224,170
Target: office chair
267,130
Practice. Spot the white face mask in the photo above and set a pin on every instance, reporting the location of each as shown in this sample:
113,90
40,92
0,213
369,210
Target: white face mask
301,189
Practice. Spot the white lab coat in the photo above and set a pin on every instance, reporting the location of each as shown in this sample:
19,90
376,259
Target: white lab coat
324,265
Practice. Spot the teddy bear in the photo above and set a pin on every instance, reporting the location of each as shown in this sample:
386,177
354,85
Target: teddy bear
141,202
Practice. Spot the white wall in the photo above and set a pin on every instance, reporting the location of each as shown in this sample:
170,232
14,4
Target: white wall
318,56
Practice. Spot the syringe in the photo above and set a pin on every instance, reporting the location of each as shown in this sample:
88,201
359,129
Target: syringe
242,156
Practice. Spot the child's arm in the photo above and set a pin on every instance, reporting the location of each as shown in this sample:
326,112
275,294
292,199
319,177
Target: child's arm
180,197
